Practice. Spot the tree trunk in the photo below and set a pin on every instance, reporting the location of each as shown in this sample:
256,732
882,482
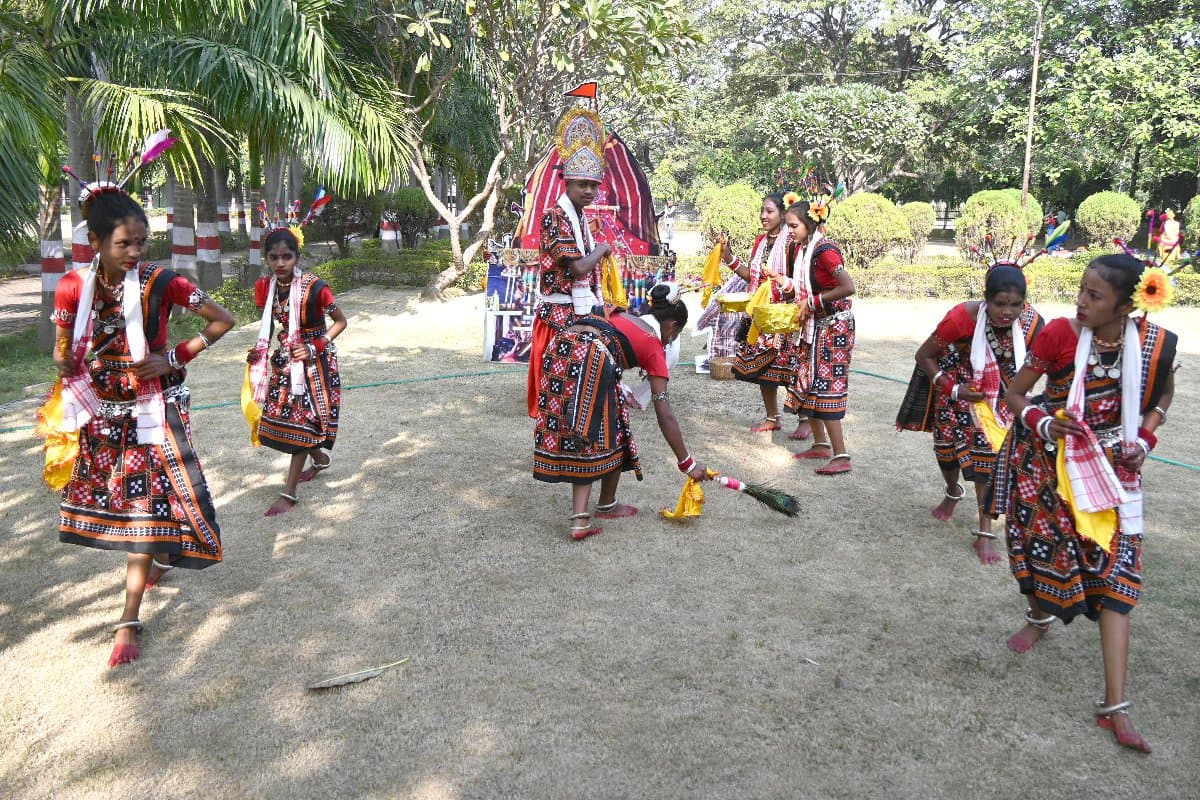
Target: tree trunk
53,261
220,174
254,177
208,240
183,232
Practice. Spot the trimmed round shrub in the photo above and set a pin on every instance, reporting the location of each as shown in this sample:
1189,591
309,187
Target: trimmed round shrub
920,218
866,225
1108,215
996,212
1034,217
733,208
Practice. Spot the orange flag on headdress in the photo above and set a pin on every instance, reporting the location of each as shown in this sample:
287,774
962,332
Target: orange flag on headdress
585,89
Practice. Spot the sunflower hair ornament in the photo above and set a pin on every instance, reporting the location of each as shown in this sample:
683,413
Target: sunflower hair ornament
821,195
790,199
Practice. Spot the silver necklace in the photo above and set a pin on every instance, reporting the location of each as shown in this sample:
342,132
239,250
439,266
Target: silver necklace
1099,370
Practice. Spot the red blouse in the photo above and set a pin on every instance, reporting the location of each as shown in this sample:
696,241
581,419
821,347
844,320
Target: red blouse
558,248
179,292
647,348
957,324
325,298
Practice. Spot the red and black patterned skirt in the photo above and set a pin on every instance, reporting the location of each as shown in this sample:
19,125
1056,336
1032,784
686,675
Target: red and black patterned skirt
139,498
1067,575
823,385
581,431
294,422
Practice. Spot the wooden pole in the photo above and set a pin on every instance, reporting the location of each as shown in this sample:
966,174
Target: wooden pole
1037,52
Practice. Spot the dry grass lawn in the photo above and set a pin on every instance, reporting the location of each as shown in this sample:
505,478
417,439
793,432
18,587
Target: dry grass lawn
855,652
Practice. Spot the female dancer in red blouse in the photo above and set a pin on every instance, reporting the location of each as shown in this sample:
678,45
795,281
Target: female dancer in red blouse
582,431
820,280
973,353
137,485
299,385
1108,387
771,361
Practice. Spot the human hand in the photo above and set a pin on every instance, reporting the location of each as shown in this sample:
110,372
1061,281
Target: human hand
700,473
726,250
1061,428
1133,457
604,249
152,366
300,352
970,395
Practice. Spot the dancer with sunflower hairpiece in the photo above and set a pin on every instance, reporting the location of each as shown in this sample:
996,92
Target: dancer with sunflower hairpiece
1075,545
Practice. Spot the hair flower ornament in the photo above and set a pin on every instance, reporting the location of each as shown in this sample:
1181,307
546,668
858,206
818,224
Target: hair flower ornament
1153,292
818,211
790,199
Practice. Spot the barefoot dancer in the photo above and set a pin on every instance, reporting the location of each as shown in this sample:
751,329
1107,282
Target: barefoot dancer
582,431
1110,379
972,355
771,360
827,343
298,383
137,484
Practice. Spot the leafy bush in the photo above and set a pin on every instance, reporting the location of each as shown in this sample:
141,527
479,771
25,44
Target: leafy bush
1108,215
1034,217
346,216
1191,216
867,225
920,218
158,247
410,210
996,212
734,209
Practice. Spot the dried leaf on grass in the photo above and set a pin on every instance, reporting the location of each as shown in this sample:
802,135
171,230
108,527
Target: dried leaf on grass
355,677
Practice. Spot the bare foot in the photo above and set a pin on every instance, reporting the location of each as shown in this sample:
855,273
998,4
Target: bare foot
986,551
1023,640
802,432
125,647
1122,728
316,468
616,512
945,509
766,426
817,450
281,506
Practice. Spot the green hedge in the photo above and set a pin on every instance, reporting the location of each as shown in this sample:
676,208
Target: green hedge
733,209
920,218
951,279
1191,216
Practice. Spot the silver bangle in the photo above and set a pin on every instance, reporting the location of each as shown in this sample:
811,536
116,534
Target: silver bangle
954,393
203,338
1043,428
659,397
1140,442
1162,413
173,359
312,351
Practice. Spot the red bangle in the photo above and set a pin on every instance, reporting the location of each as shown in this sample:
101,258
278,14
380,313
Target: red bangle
182,355
320,343
687,465
1149,438
1037,414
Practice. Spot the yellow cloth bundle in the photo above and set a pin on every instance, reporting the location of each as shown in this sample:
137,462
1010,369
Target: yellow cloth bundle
250,409
611,284
712,274
985,418
62,447
691,500
761,296
1097,526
